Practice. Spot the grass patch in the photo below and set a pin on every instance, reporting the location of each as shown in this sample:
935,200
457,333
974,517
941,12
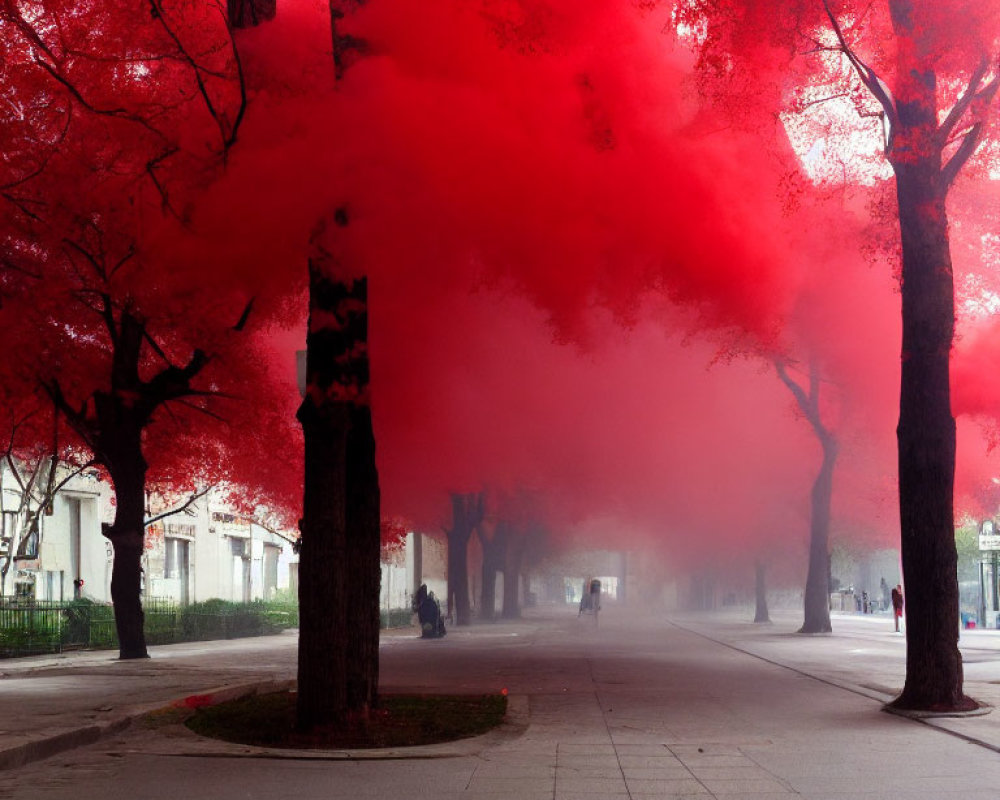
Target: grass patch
268,720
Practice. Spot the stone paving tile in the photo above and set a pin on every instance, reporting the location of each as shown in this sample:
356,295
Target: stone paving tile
733,773
685,749
519,757
478,795
511,787
694,762
648,762
666,786
660,796
590,785
747,787
673,772
590,749
641,749
956,795
583,760
586,772
597,795
490,769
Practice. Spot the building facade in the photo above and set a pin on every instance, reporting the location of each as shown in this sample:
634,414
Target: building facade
58,553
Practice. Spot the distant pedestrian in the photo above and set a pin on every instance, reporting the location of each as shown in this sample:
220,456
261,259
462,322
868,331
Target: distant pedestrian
417,603
585,598
419,597
431,621
595,595
897,604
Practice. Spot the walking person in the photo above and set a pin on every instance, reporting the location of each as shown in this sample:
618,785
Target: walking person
897,604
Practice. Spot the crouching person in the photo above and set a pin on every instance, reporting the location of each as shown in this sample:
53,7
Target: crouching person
431,621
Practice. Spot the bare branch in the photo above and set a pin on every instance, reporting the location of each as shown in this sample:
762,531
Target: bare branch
964,152
181,508
241,323
972,138
227,132
872,82
77,418
962,104
201,409
808,403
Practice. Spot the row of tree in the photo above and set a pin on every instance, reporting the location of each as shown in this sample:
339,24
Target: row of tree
119,122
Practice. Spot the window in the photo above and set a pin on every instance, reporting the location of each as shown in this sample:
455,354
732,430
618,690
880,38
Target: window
175,564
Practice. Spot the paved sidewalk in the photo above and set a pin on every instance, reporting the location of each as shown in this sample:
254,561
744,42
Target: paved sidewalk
708,707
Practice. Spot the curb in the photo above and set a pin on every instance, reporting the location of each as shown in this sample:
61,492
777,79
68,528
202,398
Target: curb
47,745
51,744
514,724
44,745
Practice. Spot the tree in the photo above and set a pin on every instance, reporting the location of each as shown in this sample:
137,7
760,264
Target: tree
111,422
760,593
494,547
927,151
817,594
513,563
39,468
340,524
467,512
339,572
931,71
118,119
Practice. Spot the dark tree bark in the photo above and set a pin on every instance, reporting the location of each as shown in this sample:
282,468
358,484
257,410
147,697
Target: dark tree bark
926,439
467,514
364,572
113,432
127,469
512,577
918,139
494,553
926,430
761,613
322,663
816,604
339,571
248,13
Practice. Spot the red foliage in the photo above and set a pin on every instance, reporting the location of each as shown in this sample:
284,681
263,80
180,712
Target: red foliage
117,120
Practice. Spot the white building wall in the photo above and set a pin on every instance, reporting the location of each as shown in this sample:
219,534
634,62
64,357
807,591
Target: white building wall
66,552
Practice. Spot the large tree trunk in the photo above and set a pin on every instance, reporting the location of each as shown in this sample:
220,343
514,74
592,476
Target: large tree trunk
512,577
816,605
322,694
761,613
926,439
467,514
458,578
926,430
364,573
488,591
127,468
339,557
494,553
119,448
817,596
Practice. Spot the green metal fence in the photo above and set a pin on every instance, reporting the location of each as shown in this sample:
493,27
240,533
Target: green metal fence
39,626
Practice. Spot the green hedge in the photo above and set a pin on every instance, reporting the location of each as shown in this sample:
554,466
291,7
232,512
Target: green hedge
34,628
396,618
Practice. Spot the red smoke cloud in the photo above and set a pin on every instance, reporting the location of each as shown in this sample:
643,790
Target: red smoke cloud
523,175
